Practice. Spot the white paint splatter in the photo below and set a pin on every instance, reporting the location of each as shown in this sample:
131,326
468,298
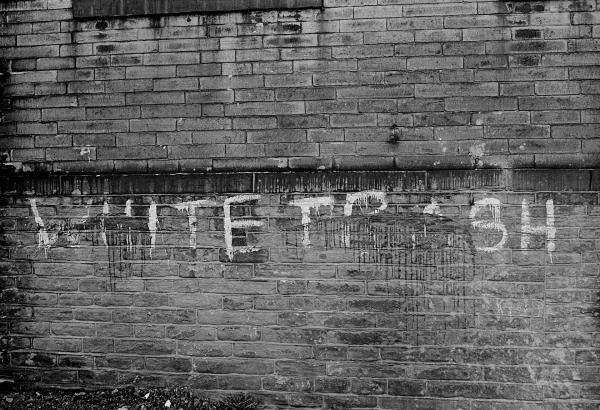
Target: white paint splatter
190,208
43,237
305,205
496,225
363,199
105,212
527,230
229,225
128,207
86,151
152,225
129,238
433,208
476,152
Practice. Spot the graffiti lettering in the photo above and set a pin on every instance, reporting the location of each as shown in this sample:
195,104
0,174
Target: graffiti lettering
190,208
527,230
433,209
229,225
152,225
307,206
43,237
495,225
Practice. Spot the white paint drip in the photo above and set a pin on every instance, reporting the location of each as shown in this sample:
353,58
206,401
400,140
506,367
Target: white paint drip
46,240
86,151
43,238
229,225
433,208
128,214
496,225
476,152
128,207
305,205
363,199
152,225
527,230
105,212
190,208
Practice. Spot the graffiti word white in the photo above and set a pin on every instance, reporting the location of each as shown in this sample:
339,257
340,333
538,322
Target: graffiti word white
494,225
190,208
310,205
305,205
527,230
229,225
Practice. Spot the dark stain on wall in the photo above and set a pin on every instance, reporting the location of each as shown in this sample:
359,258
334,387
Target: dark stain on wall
425,263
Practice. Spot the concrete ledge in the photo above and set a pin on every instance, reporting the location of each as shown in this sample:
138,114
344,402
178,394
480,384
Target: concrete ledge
531,180
117,8
307,163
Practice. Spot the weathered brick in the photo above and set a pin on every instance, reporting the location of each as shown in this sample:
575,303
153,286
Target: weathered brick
203,124
362,51
439,9
192,106
79,127
196,151
283,108
200,70
131,152
229,82
459,89
481,104
150,72
241,366
36,128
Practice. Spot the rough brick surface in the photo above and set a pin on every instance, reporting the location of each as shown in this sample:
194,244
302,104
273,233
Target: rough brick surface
363,67
449,269
442,289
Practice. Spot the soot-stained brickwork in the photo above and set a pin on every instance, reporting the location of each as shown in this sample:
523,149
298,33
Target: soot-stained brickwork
457,84
422,290
371,204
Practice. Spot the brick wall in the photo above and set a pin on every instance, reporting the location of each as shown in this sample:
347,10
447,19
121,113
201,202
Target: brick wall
162,220
445,290
472,83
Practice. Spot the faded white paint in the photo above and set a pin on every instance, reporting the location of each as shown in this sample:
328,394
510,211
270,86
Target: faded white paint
152,225
229,225
527,229
128,214
86,151
363,198
477,151
43,237
105,212
496,224
433,208
190,208
305,205
128,207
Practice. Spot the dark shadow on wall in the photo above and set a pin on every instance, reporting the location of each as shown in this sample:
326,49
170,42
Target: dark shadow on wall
4,107
419,268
